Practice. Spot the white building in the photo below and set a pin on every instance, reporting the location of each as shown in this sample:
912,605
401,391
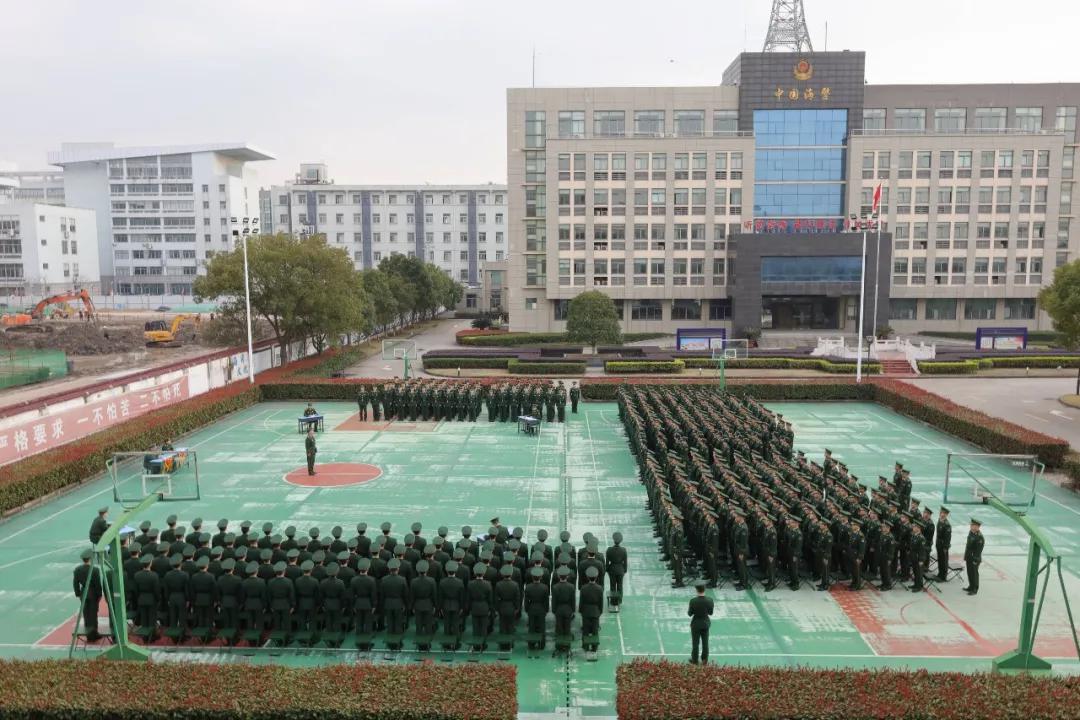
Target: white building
161,211
45,186
45,249
456,227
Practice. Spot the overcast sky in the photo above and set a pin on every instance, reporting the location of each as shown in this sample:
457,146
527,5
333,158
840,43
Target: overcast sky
412,91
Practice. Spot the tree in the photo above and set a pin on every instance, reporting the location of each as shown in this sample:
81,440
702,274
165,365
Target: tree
591,318
300,287
411,271
384,304
1061,301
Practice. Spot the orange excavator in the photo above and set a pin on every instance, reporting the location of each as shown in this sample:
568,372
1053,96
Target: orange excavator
27,320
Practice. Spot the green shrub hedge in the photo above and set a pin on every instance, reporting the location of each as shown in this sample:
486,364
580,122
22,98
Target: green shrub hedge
629,367
962,367
38,475
516,367
650,690
820,364
96,690
515,339
1045,361
450,363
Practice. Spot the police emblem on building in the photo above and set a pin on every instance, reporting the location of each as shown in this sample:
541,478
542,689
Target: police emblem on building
803,70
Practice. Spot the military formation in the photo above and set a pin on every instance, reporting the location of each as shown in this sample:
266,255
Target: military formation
727,495
305,587
431,400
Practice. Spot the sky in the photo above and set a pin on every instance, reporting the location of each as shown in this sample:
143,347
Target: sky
414,91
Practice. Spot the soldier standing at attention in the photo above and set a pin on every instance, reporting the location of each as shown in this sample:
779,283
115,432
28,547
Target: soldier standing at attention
575,395
973,556
87,578
375,394
591,606
364,591
203,593
282,595
99,525
563,602
537,601
701,607
362,402
918,547
394,592
480,603
886,548
616,566
424,597
823,555
451,599
767,553
794,551
147,594
311,449
942,542
508,599
560,401
742,547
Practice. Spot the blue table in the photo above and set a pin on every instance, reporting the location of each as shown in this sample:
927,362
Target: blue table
528,424
305,421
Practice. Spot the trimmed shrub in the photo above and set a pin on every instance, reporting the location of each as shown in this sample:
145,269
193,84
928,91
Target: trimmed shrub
1035,362
962,367
452,363
629,367
60,689
986,364
38,475
517,367
474,338
650,690
777,363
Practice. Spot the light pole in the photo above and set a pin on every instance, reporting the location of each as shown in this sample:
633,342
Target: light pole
242,238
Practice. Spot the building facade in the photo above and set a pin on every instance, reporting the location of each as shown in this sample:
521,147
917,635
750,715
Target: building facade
161,211
731,206
41,186
46,249
455,227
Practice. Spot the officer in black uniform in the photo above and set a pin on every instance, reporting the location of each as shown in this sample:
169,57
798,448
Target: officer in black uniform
87,578
701,607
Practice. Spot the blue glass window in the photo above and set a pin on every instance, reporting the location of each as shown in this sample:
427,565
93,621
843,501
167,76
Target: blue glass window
816,164
802,200
773,128
826,268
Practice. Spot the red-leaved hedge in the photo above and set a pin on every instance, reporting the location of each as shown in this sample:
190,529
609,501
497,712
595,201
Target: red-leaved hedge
97,690
649,690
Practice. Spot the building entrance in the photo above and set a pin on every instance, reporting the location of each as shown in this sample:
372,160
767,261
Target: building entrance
801,312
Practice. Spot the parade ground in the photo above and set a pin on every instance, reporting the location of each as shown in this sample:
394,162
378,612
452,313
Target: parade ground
578,476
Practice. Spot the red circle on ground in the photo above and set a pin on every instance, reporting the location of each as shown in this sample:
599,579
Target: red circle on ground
333,475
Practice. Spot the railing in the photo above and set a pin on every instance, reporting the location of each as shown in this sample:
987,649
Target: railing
864,132
629,134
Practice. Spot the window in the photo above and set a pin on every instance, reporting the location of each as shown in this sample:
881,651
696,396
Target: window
530,303
981,309
909,119
873,120
1028,119
990,119
902,309
940,309
689,123
535,129
720,309
571,123
1019,309
649,123
685,309
609,123
646,310
950,119
841,268
1065,120
726,122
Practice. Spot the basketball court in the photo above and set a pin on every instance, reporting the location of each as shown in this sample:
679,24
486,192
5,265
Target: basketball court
579,476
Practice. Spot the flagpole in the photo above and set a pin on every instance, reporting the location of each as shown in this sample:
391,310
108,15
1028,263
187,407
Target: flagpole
877,272
862,304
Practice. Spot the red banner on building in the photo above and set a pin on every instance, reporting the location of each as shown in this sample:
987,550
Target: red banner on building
45,433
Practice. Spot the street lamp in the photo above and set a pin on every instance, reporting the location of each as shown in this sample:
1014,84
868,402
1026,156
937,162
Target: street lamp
242,237
866,222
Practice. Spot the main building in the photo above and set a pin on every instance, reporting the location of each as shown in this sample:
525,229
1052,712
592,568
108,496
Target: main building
730,206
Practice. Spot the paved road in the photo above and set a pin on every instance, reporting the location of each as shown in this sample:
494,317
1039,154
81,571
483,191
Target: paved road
1030,402
440,336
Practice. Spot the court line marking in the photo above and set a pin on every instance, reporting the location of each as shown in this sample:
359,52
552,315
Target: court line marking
840,655
66,547
947,449
101,492
603,515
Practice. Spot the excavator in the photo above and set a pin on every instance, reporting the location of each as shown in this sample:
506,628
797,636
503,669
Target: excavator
29,320
158,333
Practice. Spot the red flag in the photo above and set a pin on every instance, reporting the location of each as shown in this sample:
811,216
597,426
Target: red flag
877,199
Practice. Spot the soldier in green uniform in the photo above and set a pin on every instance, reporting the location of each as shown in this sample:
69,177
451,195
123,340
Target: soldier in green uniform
918,547
563,602
549,403
886,550
616,567
86,578
452,599
310,449
507,594
229,594
480,595
973,556
537,602
394,596
282,596
306,588
362,402
147,594
376,396
794,548
575,396
176,594
742,548
253,590
591,606
332,592
203,594
942,543
365,596
99,525
701,608
424,593
823,541
767,553
169,533
560,401
857,548
196,533
219,538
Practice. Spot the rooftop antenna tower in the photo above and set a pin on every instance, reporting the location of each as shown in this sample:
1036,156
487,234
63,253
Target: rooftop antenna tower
787,28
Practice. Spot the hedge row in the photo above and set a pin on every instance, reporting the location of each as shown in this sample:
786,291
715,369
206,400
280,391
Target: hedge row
1042,361
648,367
517,367
820,364
649,690
93,690
452,363
38,475
961,367
514,339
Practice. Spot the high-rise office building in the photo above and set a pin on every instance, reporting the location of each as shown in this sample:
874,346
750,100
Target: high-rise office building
161,211
455,227
730,205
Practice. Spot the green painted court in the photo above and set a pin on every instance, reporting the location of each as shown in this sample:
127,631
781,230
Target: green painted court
579,476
